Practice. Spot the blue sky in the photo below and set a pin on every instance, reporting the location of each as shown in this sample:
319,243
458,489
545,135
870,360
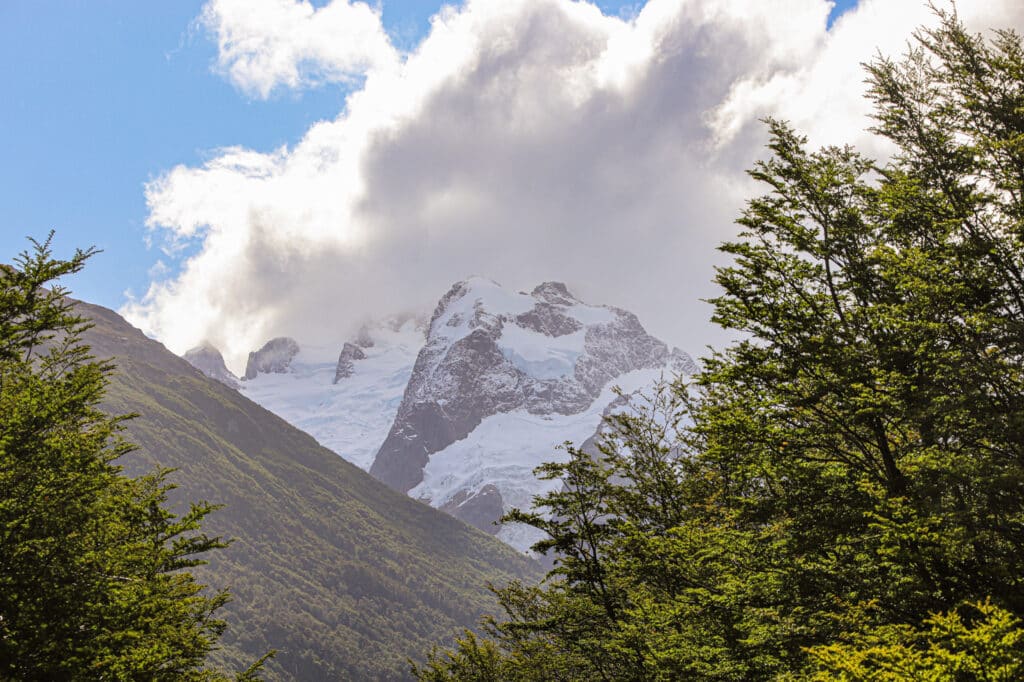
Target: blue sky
102,96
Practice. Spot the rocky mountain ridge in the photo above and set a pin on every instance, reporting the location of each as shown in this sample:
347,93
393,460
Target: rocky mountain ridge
491,352
458,411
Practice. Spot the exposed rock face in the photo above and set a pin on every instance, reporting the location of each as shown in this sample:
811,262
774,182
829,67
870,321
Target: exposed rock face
548,320
554,293
682,363
208,360
275,357
481,509
489,351
615,348
349,354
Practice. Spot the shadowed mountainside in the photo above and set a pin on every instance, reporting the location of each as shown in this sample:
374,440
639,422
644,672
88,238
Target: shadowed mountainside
344,576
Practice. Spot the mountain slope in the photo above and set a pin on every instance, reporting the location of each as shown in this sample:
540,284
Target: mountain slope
344,576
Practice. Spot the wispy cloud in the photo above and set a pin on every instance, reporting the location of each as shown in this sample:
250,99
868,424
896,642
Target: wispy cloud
522,140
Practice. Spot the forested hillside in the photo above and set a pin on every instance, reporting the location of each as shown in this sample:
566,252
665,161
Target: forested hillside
343,576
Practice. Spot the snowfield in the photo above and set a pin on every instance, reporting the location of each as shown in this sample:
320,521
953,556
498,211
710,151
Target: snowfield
353,416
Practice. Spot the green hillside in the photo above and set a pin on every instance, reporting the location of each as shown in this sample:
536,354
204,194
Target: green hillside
344,577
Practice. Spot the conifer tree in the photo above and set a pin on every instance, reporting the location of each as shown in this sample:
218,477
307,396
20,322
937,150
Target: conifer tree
93,566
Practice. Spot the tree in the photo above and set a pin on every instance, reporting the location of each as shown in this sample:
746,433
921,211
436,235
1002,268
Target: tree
93,566
855,464
979,641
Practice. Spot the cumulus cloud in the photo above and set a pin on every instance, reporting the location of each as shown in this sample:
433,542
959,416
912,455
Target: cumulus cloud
522,140
824,96
264,44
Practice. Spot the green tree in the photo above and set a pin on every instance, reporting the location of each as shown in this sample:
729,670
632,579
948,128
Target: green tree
855,464
976,642
92,564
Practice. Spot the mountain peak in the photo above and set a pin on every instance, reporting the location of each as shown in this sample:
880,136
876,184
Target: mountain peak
275,356
555,293
459,413
350,352
509,362
208,359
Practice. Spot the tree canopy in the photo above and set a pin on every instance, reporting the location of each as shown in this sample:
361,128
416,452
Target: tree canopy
840,493
93,565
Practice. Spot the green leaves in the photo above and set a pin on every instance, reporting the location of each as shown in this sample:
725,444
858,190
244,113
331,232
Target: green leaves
978,641
91,579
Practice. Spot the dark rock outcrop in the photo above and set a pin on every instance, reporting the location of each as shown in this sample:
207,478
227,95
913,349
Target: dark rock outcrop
274,357
616,348
554,293
549,320
481,509
349,354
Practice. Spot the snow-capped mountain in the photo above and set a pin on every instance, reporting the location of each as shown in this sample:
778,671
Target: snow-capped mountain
458,412
502,380
347,400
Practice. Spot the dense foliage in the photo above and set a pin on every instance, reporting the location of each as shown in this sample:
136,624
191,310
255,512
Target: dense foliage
846,500
92,579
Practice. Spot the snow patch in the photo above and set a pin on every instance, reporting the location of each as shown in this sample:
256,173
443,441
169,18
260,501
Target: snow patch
353,416
505,449
539,355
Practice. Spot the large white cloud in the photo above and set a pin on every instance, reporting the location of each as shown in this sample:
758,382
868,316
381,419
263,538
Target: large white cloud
522,140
